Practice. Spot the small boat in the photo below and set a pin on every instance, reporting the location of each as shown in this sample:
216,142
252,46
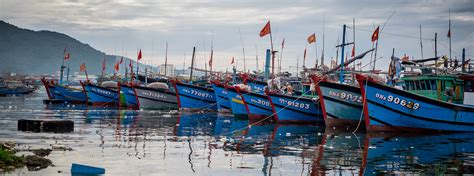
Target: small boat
192,96
64,93
236,102
341,104
130,98
107,94
393,110
156,96
258,105
295,108
223,103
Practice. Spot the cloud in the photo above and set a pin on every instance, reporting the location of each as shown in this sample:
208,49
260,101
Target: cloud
122,26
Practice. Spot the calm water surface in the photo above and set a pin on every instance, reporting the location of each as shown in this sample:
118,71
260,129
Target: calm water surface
172,143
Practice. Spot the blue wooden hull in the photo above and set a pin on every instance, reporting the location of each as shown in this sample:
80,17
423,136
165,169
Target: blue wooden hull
236,102
390,109
129,95
101,96
223,103
341,105
295,109
67,94
157,99
195,97
257,104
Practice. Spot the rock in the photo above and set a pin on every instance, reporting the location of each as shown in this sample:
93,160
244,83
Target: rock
42,152
34,162
61,148
8,146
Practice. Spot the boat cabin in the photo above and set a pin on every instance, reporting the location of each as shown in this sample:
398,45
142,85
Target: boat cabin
446,88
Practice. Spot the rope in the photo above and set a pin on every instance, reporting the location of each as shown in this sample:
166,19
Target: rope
362,112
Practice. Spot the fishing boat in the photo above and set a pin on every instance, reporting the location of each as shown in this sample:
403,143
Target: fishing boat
295,108
341,104
59,93
222,101
239,109
106,94
156,96
129,95
254,99
393,110
191,96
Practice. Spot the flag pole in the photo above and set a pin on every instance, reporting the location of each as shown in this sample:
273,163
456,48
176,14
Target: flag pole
256,60
281,55
341,75
449,34
166,59
316,53
273,53
243,50
322,54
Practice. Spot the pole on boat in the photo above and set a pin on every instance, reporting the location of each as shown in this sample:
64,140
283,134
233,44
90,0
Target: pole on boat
322,52
192,64
436,52
136,77
243,49
281,55
256,60
166,59
297,66
341,75
463,59
421,44
449,34
267,64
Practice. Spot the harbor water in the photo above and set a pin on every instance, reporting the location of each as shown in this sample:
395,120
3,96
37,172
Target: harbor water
129,142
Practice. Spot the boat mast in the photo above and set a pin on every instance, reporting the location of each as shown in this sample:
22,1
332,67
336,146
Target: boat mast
421,44
449,34
256,60
166,58
436,52
243,50
322,54
341,74
192,64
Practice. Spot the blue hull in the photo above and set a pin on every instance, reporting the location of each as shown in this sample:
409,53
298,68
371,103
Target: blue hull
129,95
223,103
257,104
236,102
341,105
67,94
195,97
391,109
295,109
101,96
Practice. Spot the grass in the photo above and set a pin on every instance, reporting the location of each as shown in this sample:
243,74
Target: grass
8,158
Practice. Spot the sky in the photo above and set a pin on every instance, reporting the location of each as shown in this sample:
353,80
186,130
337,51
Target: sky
232,28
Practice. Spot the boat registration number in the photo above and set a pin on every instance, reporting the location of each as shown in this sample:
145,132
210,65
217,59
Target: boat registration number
398,101
197,93
294,104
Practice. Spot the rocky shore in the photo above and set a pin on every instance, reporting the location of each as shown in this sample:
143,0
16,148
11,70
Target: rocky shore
9,160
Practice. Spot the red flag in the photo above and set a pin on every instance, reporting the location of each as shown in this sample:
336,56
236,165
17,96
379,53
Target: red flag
210,60
449,33
375,35
139,55
266,29
82,67
66,56
283,43
353,53
232,61
103,65
312,38
121,60
117,66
